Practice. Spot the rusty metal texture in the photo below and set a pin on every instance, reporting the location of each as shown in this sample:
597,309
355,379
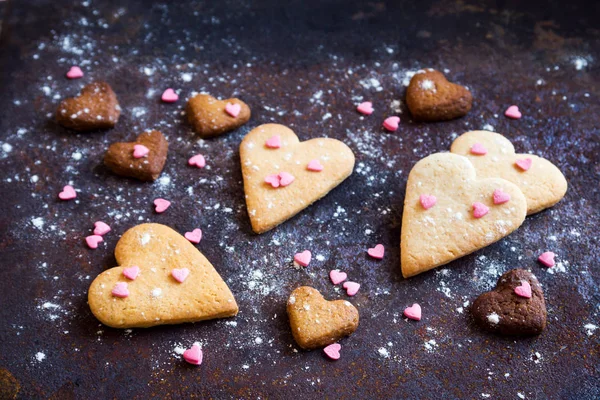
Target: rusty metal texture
305,64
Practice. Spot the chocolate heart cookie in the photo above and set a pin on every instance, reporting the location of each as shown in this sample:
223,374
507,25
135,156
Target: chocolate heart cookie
143,159
316,322
95,108
211,117
430,97
515,307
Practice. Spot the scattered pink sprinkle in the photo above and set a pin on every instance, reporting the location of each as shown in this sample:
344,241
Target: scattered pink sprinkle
93,240
524,290
413,312
391,123
377,251
351,288
100,228
180,274
169,96
524,163
197,160
513,112
75,73
337,276
478,149
68,193
233,109
427,201
480,209
120,290
303,258
131,272
193,355
365,108
314,165
547,259
333,351
194,236
274,142
500,197
161,205
281,179
139,151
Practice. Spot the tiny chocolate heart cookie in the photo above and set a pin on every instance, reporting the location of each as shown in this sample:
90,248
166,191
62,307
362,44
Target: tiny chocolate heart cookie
211,117
316,322
143,159
95,108
515,307
430,97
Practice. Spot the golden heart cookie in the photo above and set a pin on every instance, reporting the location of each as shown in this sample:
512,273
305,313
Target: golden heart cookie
449,213
316,322
211,117
282,175
172,282
494,156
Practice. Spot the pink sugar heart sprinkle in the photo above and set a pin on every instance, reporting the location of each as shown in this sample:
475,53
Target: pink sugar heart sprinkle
377,252
391,123
180,274
333,351
500,197
365,108
139,151
478,149
131,272
93,240
303,258
314,165
413,312
120,290
68,193
194,236
351,288
513,112
524,290
274,142
427,201
285,178
169,96
480,209
233,109
524,163
193,355
272,180
547,259
75,73
161,205
337,276
100,228
198,161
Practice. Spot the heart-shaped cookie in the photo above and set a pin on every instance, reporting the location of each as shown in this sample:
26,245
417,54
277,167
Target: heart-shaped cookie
121,158
155,297
316,322
211,117
291,185
541,182
507,311
451,228
95,108
430,97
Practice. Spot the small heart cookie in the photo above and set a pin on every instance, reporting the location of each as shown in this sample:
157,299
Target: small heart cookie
316,322
269,205
449,229
211,117
515,307
121,157
430,97
541,182
156,297
95,108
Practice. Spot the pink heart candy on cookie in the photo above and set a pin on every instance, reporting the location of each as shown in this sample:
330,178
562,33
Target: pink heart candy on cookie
524,290
233,109
285,178
377,251
480,209
161,205
427,201
333,351
120,290
169,96
500,197
100,228
274,142
131,272
337,276
478,149
524,163
180,274
68,193
351,288
315,166
303,258
194,236
193,355
413,312
139,151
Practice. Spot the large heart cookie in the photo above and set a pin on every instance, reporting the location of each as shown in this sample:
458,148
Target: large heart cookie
316,322
143,159
515,307
173,283
494,156
430,97
282,176
95,108
211,117
449,212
